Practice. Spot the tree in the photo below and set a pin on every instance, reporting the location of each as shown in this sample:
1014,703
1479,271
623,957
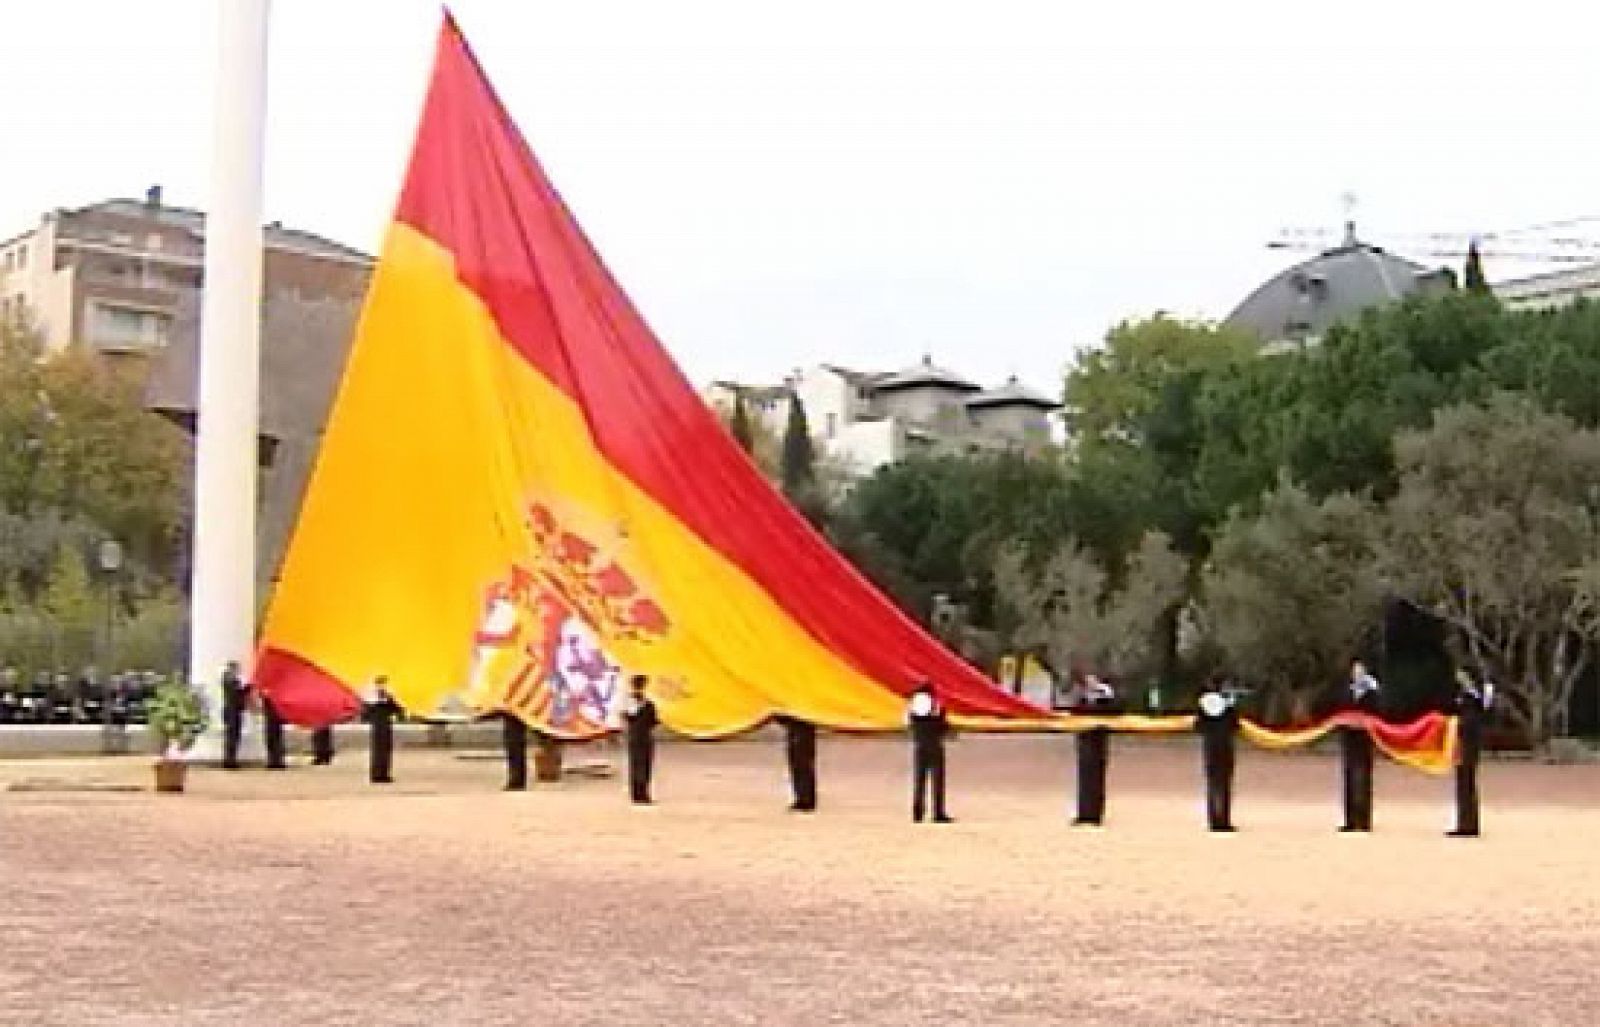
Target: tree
1290,593
1496,531
69,602
739,426
1472,276
1070,610
933,524
111,461
799,464
77,444
763,447
1139,615
1553,356
25,414
1112,392
1327,415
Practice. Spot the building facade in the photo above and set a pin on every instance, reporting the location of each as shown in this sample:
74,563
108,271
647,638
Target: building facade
122,279
863,420
112,276
1550,290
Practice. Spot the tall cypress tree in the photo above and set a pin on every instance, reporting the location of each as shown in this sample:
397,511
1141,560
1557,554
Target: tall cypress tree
739,425
799,465
1472,274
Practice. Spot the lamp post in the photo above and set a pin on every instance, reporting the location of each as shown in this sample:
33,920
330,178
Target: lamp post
109,557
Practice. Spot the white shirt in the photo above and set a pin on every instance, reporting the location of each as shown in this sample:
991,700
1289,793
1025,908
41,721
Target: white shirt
1213,704
922,705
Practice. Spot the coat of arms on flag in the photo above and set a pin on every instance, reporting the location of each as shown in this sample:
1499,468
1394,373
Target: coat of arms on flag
538,651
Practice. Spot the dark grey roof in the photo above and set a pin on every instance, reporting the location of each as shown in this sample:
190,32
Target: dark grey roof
754,393
857,378
194,221
1308,298
924,375
1012,393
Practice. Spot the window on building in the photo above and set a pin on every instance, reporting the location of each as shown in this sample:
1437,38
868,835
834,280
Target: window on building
126,328
22,256
832,425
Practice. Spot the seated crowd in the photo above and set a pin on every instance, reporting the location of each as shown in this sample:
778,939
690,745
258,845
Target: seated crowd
59,698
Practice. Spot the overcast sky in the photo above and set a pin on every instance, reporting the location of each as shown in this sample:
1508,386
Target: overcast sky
866,181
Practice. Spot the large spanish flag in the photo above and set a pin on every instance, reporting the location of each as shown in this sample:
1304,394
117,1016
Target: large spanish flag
520,497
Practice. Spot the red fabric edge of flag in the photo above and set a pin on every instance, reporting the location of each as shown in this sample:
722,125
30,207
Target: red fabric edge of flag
303,694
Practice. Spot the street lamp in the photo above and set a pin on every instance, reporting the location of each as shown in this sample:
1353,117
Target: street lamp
109,557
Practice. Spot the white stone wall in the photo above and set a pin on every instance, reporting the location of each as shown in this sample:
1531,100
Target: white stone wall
929,405
864,446
1021,425
1557,289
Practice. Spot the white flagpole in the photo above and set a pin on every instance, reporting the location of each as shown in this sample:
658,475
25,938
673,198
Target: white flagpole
223,597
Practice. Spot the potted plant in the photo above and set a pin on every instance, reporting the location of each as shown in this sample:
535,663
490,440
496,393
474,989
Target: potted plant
176,718
546,757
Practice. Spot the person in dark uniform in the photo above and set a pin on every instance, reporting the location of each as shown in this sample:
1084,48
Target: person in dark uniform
272,735
1092,697
10,697
1360,695
925,715
322,746
800,745
641,718
1472,704
235,697
1217,720
381,713
514,740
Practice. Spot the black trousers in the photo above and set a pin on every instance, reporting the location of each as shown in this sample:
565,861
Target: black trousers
232,730
322,746
380,755
1356,759
802,752
1218,759
1093,755
514,739
927,775
272,734
641,763
1467,795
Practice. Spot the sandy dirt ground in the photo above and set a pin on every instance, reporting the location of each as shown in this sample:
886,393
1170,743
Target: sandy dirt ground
308,896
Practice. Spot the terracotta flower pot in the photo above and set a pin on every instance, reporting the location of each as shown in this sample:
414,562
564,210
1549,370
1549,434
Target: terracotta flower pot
546,758
170,775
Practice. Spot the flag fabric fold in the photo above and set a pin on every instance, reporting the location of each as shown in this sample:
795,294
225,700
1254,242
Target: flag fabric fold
1427,743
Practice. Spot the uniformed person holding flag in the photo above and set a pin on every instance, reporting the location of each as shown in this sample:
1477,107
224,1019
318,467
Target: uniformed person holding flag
1472,704
272,734
322,746
800,749
1217,721
235,699
514,742
381,713
1091,697
1360,695
641,719
926,718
